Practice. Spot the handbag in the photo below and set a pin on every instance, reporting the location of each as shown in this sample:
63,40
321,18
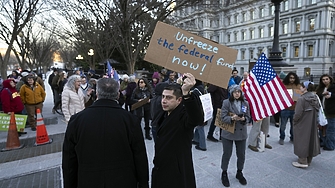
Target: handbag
224,126
322,120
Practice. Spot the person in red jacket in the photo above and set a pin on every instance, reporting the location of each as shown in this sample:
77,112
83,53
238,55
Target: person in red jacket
10,98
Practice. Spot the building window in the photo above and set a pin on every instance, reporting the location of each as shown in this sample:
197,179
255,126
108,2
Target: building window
272,10
261,33
252,14
284,51
260,51
307,71
235,37
285,5
271,31
244,17
311,22
242,55
235,19
228,20
228,38
252,34
244,35
251,54
296,51
297,26
285,28
297,3
313,1
261,12
332,22
310,51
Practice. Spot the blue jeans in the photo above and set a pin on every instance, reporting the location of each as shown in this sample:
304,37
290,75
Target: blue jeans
199,136
330,134
212,126
284,116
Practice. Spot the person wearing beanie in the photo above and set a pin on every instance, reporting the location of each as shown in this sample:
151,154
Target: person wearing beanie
306,142
32,95
234,109
19,84
129,91
155,79
10,98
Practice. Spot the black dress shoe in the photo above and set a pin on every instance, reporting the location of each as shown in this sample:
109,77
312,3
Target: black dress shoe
240,177
224,179
327,149
33,129
195,143
211,138
199,148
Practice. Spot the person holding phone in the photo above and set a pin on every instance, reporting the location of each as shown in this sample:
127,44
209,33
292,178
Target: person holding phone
239,107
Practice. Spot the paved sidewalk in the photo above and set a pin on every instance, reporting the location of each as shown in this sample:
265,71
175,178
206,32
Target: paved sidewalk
270,169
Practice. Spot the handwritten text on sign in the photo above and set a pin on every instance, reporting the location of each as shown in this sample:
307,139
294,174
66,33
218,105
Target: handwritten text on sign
182,51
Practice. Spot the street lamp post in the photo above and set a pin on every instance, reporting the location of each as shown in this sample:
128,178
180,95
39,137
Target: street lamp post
275,56
91,53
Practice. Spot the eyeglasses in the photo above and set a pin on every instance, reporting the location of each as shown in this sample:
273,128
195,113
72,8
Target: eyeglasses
141,82
292,77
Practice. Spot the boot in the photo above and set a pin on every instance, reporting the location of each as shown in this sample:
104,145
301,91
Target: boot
240,177
224,179
147,135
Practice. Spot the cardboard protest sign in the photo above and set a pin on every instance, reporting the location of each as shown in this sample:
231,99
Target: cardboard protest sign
224,126
139,104
182,51
5,120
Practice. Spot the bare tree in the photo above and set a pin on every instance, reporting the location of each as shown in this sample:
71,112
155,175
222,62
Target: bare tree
14,15
125,25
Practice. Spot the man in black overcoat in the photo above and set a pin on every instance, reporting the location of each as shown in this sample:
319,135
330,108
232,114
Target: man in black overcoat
173,165
104,145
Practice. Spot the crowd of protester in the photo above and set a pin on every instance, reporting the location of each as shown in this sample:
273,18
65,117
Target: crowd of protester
23,93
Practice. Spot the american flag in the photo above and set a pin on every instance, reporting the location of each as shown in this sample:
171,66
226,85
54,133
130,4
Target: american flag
265,91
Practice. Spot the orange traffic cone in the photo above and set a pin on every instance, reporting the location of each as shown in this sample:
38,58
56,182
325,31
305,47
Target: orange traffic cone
13,141
41,132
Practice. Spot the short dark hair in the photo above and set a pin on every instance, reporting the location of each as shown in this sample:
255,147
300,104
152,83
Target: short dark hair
234,71
107,88
176,88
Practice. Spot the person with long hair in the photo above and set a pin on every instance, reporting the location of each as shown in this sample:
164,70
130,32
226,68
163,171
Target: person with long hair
73,97
61,83
234,109
326,93
141,92
291,81
306,141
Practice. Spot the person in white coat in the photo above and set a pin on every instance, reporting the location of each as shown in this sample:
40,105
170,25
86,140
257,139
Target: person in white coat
73,98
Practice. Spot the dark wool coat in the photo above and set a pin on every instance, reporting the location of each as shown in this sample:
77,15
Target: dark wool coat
173,165
305,129
329,103
104,147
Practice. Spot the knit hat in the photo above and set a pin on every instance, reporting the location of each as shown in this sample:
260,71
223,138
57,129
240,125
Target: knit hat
24,74
125,76
155,75
234,88
306,83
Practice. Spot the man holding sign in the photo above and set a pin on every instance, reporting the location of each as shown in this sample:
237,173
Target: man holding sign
173,165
